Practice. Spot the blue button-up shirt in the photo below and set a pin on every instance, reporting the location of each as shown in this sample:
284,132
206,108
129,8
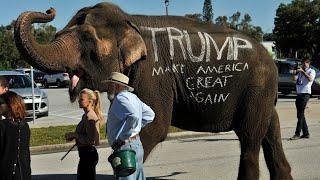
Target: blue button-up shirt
127,115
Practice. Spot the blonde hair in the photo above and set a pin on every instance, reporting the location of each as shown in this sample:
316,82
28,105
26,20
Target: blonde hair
95,98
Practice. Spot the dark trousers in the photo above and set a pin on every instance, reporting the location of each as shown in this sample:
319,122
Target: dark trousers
87,164
301,103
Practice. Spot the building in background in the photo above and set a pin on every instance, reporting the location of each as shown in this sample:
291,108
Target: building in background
271,48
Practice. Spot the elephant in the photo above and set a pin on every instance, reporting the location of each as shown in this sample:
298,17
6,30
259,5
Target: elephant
195,76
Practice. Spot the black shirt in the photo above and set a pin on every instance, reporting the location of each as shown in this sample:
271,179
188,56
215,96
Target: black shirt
14,134
2,101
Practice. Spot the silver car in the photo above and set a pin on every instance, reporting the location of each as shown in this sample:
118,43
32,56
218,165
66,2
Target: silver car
21,84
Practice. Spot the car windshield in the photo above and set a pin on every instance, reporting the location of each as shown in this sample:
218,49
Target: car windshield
19,81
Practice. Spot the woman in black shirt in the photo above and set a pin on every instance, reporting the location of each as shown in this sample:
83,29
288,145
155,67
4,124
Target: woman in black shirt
14,140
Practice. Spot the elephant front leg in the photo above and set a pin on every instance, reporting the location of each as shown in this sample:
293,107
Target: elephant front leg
156,131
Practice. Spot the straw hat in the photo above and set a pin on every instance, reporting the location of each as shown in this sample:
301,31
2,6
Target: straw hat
119,78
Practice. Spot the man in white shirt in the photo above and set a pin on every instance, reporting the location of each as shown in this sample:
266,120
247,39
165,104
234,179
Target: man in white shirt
305,77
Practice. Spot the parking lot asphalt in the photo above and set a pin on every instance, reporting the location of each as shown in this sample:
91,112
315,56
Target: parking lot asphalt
62,112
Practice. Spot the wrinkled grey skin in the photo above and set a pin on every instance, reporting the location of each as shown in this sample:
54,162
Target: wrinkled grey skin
101,39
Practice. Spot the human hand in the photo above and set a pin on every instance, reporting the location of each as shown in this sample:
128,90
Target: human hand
300,70
70,136
117,144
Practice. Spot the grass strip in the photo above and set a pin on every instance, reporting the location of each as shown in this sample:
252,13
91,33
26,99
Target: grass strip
55,135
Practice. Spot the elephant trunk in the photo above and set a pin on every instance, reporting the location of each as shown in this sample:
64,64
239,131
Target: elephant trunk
63,52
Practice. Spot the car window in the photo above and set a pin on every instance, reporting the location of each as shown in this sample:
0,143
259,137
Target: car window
19,81
284,68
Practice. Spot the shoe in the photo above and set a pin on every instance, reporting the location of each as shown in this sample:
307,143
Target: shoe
295,137
307,136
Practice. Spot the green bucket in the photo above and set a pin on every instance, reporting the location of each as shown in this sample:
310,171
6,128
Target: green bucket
123,162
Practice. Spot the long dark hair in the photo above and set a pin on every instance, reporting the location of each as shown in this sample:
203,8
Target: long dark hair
16,109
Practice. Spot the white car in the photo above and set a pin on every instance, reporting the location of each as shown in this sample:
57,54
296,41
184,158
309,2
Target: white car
59,79
21,84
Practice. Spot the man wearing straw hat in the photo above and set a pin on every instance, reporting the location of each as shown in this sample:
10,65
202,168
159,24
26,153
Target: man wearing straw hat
127,115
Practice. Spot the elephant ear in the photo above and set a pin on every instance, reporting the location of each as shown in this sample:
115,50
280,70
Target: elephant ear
132,46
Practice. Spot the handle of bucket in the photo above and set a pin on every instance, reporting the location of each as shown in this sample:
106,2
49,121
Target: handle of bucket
121,130
124,123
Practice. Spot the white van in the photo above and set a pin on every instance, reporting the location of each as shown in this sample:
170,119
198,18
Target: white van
59,79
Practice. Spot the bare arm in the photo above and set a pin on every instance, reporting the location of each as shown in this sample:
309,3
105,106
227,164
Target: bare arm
308,76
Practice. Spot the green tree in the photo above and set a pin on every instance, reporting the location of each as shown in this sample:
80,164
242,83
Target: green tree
234,20
297,28
222,21
207,11
44,33
245,23
10,57
245,26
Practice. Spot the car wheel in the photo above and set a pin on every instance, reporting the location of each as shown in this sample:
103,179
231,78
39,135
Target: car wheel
45,83
58,83
286,92
43,115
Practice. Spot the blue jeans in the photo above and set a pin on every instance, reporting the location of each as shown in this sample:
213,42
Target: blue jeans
137,147
301,103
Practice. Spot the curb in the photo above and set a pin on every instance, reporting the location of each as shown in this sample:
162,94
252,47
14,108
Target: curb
55,148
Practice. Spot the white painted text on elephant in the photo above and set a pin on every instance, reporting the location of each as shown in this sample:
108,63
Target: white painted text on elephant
174,68
180,68
232,44
224,68
207,82
201,97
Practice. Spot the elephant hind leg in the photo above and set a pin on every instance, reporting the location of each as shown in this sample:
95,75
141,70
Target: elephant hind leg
276,161
249,160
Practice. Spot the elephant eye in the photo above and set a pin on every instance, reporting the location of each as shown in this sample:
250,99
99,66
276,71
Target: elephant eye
81,19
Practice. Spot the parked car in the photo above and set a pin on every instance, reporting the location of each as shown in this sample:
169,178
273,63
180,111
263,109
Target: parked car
38,77
59,79
22,85
37,74
286,83
26,71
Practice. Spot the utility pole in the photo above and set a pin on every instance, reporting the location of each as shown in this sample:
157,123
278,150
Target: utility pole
166,2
